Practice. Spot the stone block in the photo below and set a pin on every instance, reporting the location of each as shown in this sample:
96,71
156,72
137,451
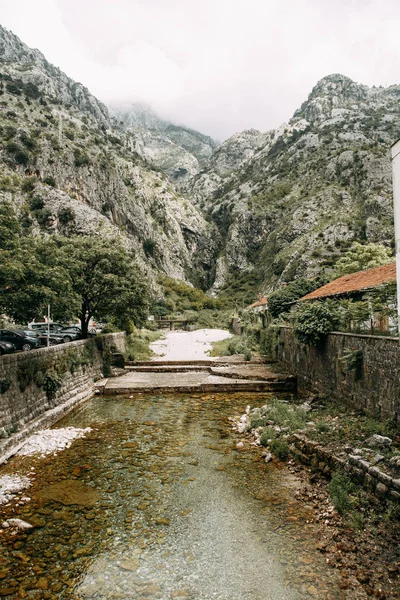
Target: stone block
394,495
381,490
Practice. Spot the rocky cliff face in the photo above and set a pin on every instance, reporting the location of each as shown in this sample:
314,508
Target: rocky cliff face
178,151
68,168
287,202
278,204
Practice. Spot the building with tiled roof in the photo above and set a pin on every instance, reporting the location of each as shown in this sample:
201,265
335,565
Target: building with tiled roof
258,306
355,282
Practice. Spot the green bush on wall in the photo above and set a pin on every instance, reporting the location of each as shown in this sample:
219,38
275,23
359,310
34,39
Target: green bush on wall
52,383
48,372
4,385
312,323
269,340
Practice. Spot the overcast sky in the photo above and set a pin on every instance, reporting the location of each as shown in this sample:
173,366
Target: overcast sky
219,66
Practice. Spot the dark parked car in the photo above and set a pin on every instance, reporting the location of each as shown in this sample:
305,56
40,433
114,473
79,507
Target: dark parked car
42,336
70,334
6,348
19,338
53,339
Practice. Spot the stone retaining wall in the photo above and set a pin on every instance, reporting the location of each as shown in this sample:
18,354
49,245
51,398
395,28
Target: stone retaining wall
360,470
373,387
27,401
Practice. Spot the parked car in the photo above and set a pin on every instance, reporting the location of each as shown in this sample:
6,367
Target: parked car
6,348
44,327
70,334
42,336
53,339
19,338
29,333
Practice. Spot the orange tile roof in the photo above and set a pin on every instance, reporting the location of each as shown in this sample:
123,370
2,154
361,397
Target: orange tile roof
355,282
260,302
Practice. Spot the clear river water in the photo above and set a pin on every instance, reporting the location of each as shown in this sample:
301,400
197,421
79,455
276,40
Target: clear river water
157,502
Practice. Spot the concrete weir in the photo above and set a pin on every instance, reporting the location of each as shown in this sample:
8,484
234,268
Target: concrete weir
219,375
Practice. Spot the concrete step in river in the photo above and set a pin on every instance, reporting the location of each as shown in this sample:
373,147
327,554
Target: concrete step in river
187,376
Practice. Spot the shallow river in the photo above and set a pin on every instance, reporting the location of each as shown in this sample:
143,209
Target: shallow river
157,502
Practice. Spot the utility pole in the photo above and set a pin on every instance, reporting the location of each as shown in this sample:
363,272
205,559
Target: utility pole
396,203
48,325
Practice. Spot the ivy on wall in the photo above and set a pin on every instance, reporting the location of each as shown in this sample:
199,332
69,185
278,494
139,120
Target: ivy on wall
48,372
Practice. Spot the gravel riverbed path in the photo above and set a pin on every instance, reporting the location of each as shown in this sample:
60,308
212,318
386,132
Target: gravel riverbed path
187,345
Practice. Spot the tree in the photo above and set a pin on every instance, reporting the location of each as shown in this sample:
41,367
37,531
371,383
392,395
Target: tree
280,302
363,256
10,229
30,277
104,281
79,276
28,282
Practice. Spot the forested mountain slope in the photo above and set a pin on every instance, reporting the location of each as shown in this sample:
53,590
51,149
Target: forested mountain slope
67,168
287,202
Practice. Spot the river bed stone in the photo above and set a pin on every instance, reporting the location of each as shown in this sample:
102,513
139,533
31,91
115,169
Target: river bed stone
182,513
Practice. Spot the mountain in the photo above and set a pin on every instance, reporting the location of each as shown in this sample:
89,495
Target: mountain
178,151
68,168
289,201
256,211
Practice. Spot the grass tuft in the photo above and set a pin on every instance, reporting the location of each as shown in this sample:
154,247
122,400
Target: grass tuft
138,344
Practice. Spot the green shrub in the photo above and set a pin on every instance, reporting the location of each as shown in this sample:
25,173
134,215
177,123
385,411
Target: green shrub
138,344
341,490
179,296
21,157
66,215
9,184
269,338
28,184
149,247
4,385
26,373
14,87
107,371
352,361
109,328
281,301
43,216
81,158
257,421
392,512
280,448
50,181
36,203
268,434
236,344
285,415
27,141
129,326
9,132
321,426
51,384
312,323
